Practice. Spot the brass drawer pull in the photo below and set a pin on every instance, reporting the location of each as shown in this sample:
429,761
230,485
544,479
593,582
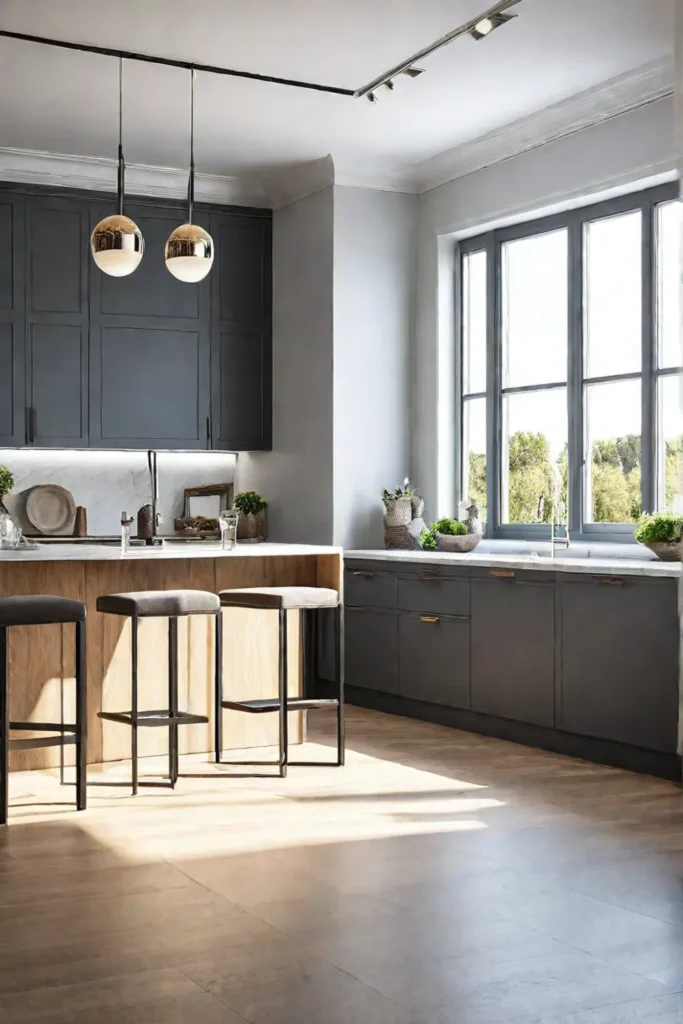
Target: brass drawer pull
612,581
430,618
502,574
430,579
365,575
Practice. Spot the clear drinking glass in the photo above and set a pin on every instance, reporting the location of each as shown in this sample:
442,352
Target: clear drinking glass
228,523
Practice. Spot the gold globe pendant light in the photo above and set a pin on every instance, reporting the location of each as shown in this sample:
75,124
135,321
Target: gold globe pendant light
116,243
189,249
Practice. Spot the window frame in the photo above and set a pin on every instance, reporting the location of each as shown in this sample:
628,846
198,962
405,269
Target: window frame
574,221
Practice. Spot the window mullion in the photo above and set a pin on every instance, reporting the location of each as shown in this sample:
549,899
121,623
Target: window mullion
459,376
493,356
649,335
575,405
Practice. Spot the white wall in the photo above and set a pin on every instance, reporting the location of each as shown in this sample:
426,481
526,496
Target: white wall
296,477
374,271
638,147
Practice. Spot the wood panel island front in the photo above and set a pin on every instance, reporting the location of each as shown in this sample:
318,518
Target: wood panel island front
41,666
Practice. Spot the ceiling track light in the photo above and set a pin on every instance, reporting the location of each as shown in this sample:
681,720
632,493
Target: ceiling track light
189,249
116,243
487,25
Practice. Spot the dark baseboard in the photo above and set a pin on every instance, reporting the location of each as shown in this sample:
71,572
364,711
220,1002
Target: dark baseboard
617,755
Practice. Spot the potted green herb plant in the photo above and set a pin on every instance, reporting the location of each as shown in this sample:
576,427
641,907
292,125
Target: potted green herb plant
449,535
6,485
661,533
401,505
251,524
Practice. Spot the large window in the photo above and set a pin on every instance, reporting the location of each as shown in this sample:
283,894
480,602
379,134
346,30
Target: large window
571,371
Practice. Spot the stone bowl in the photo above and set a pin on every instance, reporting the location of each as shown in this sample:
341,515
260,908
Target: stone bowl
461,543
666,550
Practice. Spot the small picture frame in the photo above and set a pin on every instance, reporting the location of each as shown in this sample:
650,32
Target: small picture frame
208,501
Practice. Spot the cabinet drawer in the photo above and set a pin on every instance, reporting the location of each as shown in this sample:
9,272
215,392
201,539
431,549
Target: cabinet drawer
367,589
434,659
434,594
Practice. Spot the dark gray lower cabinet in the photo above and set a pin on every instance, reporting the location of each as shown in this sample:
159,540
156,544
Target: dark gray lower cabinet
371,649
513,650
434,659
619,657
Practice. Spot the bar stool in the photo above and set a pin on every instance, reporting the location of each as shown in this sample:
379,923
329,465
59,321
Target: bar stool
170,604
42,610
310,601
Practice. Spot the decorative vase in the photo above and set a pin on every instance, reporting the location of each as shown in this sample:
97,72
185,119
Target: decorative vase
252,527
399,511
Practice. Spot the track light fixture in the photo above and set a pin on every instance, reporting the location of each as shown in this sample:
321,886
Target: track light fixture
116,243
486,26
189,249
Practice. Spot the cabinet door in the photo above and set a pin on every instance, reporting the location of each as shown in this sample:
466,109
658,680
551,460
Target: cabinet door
512,652
619,661
371,649
149,381
241,348
57,263
434,659
12,331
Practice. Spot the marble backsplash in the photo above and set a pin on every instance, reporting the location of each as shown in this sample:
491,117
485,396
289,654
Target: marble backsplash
106,483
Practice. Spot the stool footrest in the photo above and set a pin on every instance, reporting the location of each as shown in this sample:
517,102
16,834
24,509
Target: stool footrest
43,741
260,707
42,727
152,719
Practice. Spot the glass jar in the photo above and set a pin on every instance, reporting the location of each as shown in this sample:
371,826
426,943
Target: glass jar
227,521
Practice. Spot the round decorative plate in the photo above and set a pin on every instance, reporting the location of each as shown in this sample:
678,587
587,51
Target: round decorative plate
51,509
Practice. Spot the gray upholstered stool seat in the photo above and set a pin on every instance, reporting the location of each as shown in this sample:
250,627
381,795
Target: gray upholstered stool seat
39,610
280,598
160,603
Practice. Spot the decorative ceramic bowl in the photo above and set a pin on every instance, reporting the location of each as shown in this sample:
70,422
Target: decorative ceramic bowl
462,542
666,550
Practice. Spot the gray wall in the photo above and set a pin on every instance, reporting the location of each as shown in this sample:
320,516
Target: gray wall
374,273
637,147
297,475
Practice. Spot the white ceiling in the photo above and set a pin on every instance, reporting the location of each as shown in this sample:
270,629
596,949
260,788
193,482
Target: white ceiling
65,102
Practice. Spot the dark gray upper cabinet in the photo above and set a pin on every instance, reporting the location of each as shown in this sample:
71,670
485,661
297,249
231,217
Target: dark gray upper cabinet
12,320
150,348
619,657
512,649
134,362
241,333
57,329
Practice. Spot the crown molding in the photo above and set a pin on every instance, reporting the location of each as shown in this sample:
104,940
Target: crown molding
33,167
609,99
382,176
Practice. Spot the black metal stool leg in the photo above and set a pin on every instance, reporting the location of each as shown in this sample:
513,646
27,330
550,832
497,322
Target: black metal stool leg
339,674
81,719
282,674
4,724
218,686
173,766
134,701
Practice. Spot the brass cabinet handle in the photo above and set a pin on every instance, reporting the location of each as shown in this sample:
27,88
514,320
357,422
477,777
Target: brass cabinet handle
612,581
502,574
365,575
430,618
430,579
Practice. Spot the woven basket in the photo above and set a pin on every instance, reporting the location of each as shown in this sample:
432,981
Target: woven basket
251,527
399,511
403,538
666,550
461,543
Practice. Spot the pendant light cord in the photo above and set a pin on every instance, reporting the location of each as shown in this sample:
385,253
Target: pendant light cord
121,168
190,187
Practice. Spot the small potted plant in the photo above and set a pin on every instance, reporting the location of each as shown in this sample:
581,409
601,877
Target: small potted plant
449,535
661,533
400,505
251,507
6,485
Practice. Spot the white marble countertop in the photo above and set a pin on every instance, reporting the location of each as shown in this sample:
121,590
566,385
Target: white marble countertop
169,550
594,563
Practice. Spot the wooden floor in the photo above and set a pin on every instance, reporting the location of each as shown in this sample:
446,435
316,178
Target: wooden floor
440,878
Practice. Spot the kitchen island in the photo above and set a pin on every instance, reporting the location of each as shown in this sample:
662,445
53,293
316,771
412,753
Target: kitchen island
41,658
